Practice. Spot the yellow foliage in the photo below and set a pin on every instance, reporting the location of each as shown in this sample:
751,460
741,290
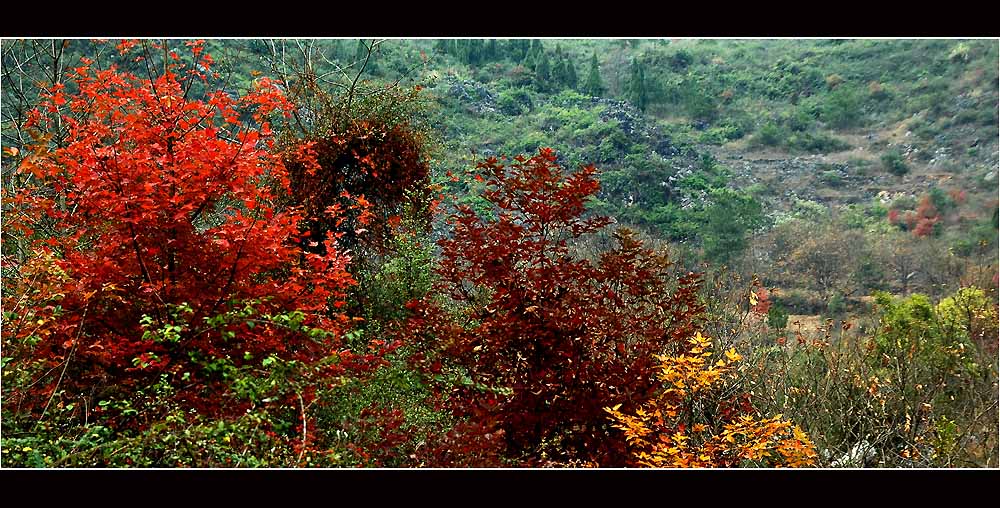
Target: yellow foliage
664,432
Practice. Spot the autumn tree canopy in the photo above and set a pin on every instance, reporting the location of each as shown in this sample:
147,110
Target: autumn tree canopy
160,251
545,339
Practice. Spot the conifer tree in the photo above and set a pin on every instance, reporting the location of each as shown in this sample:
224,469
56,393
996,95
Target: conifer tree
534,53
517,49
543,71
593,85
560,76
474,51
462,50
637,86
492,52
571,78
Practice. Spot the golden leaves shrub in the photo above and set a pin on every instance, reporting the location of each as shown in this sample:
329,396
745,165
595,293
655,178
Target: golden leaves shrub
695,422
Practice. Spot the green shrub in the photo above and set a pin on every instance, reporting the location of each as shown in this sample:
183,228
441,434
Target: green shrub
836,306
924,130
870,273
831,178
842,108
893,162
721,134
914,327
799,302
699,102
770,134
777,317
809,210
799,119
515,101
816,143
681,59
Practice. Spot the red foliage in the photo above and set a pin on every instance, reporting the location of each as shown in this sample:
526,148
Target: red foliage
375,161
547,339
894,217
763,302
926,208
153,200
959,196
925,226
922,222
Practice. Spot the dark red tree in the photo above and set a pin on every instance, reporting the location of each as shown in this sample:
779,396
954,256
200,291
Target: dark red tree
537,338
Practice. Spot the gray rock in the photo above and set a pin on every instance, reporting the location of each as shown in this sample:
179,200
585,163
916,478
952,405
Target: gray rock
860,455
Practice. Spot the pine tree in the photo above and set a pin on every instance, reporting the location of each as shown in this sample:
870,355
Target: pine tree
462,50
474,52
571,78
543,71
637,86
594,86
560,75
534,53
516,49
523,47
492,52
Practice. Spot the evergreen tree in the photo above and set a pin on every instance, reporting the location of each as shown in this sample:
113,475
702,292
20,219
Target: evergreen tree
560,76
336,48
462,50
492,53
523,47
637,86
571,78
543,71
529,61
593,85
727,221
474,52
534,53
517,49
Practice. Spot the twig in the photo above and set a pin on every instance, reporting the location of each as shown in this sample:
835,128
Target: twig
305,423
62,375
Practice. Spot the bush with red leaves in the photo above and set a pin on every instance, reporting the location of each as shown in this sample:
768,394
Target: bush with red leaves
160,252
527,341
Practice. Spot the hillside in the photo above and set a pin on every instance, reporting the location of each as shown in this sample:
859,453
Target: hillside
841,130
